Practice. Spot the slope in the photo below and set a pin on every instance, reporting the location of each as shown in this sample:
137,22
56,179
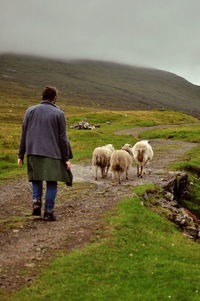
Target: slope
95,83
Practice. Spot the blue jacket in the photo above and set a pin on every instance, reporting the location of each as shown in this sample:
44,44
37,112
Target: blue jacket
44,133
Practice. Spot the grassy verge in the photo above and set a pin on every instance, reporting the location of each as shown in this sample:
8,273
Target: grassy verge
143,257
191,165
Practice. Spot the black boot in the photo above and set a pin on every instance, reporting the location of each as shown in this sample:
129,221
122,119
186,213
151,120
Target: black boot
37,204
49,216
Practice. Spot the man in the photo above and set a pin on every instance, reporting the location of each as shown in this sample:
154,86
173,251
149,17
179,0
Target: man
48,151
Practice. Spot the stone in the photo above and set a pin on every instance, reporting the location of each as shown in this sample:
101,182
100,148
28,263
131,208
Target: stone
169,196
84,125
178,186
30,265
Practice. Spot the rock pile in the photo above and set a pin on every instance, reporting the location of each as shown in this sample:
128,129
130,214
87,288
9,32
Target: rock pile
177,188
84,125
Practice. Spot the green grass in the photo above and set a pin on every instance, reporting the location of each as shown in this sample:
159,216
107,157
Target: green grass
143,257
83,142
183,133
190,162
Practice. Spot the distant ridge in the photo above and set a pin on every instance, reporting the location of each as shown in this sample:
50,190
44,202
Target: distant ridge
97,83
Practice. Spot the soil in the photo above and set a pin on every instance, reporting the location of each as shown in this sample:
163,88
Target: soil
27,244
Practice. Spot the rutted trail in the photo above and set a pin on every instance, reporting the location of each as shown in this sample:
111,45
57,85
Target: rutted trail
25,243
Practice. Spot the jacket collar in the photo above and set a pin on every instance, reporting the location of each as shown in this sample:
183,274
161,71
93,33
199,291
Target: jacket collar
48,103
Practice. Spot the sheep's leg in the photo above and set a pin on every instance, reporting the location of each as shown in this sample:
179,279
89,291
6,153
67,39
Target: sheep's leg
119,177
138,170
141,171
146,163
113,177
96,173
127,174
102,172
107,168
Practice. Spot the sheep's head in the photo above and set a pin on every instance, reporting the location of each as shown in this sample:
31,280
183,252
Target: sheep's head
127,145
110,146
128,148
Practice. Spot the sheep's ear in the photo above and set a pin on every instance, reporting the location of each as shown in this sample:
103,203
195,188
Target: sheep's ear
149,141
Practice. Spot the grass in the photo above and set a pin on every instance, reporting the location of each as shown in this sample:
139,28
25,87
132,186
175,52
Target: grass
189,163
191,159
183,133
97,84
83,142
143,257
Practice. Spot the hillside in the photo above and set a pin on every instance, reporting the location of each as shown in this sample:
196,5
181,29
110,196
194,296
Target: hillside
95,83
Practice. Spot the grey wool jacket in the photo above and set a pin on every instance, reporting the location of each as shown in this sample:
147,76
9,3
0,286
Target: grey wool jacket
44,133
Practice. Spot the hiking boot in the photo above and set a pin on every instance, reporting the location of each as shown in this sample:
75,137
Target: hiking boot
49,216
37,204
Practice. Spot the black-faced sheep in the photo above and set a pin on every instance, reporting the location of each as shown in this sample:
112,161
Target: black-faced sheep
142,154
120,162
101,159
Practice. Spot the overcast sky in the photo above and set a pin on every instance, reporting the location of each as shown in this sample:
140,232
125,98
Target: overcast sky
162,34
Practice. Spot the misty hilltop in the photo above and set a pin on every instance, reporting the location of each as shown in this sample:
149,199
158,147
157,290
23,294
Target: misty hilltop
97,83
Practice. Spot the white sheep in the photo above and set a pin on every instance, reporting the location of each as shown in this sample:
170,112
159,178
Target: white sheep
121,161
142,154
101,159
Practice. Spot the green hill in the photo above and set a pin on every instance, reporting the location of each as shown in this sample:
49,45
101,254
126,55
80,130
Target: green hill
95,83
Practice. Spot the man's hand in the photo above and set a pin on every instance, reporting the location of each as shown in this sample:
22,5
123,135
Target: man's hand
20,162
68,164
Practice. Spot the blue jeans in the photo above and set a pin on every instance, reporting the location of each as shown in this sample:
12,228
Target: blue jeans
51,191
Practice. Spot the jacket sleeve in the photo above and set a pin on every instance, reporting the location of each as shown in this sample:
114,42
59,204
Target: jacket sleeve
63,139
22,146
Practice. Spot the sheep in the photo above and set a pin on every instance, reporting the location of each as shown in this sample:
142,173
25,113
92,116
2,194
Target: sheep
101,159
142,154
120,162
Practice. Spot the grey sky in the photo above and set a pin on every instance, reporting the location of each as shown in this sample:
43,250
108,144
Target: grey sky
162,34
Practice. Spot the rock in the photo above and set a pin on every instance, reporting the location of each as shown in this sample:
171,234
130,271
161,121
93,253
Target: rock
192,232
178,186
169,196
84,125
30,265
145,196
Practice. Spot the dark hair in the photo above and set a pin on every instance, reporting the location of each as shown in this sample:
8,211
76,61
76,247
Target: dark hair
49,93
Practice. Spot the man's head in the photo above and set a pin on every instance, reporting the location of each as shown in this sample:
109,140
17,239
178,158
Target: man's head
49,93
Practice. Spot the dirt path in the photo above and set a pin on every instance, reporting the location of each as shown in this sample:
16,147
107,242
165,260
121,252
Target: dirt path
26,244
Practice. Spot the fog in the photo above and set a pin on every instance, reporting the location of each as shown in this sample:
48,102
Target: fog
152,33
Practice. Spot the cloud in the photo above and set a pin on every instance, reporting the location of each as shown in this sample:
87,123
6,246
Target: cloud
155,33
